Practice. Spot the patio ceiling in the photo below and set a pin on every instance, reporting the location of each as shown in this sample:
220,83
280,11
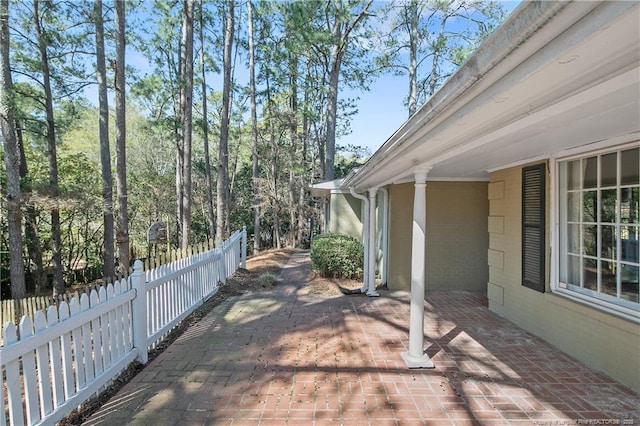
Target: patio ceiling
553,78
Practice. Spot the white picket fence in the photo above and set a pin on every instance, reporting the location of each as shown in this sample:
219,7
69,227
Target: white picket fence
66,356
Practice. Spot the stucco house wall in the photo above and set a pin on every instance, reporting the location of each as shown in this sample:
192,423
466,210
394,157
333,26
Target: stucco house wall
400,222
556,84
601,340
457,237
345,215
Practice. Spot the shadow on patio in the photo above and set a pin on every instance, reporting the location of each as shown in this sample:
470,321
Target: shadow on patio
291,356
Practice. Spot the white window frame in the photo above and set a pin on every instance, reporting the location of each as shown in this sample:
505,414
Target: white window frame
597,303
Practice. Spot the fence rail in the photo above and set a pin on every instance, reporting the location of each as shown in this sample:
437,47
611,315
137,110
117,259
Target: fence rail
13,309
57,360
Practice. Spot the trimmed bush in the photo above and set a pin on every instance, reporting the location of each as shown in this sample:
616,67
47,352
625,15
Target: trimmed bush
337,255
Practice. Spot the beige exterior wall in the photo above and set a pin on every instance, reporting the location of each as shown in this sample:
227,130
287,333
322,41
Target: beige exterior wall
345,215
400,222
602,341
457,236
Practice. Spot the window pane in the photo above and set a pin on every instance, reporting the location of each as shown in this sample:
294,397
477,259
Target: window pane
573,174
629,205
608,205
630,168
608,242
600,226
590,172
590,240
591,274
573,207
629,275
573,238
573,270
629,236
608,278
589,206
609,169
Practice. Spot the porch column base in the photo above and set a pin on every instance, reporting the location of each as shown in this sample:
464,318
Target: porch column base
373,294
417,362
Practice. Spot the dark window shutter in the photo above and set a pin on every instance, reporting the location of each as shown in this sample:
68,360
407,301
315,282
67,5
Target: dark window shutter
533,227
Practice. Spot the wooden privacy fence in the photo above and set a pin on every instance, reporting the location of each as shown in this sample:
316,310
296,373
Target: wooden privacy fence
67,355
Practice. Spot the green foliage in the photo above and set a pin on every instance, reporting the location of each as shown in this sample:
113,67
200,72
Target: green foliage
268,279
337,255
294,43
357,156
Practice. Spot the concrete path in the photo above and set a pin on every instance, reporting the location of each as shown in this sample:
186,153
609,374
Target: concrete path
288,356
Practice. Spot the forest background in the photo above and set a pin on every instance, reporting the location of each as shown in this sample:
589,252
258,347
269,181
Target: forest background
198,117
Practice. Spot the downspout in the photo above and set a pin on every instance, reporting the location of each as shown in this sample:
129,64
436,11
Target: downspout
384,245
371,272
365,238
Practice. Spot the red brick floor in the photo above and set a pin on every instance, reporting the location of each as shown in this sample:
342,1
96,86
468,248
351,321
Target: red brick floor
292,357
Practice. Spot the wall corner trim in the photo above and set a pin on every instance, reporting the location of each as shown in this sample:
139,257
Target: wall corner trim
495,258
496,190
495,224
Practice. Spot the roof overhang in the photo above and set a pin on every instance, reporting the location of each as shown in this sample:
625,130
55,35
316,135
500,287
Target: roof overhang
553,77
326,188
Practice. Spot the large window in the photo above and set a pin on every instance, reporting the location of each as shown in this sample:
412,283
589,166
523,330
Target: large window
599,216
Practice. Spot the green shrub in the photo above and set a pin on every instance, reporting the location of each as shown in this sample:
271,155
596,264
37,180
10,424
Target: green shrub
268,279
337,255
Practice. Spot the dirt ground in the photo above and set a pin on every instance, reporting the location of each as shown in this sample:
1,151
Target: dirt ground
260,275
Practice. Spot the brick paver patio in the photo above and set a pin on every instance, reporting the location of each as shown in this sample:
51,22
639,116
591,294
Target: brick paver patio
290,356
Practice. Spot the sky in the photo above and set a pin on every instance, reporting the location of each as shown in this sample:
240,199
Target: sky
380,113
380,110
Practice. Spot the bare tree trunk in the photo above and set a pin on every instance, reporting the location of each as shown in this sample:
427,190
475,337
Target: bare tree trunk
179,187
332,108
205,131
105,154
411,10
276,228
254,133
275,204
31,233
58,281
433,78
306,176
11,161
179,135
341,31
187,119
121,153
223,150
293,149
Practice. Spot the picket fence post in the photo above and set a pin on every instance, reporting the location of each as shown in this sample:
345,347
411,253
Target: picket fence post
244,247
222,265
139,313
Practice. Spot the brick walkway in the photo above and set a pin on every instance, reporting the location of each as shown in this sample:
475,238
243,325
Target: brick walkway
288,356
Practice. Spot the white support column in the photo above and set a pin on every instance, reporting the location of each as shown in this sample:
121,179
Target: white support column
371,272
416,357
